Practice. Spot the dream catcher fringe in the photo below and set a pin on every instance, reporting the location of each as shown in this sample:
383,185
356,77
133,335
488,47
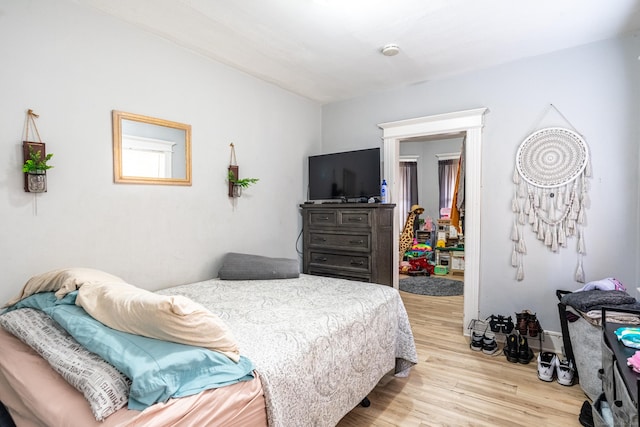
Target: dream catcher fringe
551,193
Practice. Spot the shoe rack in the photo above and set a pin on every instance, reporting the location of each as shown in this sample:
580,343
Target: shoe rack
503,332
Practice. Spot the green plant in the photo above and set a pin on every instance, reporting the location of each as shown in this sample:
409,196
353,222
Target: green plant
244,182
35,163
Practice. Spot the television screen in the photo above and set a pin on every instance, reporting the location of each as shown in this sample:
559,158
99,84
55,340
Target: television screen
346,175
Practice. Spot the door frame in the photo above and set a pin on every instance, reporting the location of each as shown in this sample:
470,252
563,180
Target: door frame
471,122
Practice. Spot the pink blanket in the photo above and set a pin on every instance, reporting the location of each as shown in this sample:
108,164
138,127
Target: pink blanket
36,395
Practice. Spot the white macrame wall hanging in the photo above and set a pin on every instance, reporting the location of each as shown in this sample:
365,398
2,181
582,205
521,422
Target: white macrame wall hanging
550,194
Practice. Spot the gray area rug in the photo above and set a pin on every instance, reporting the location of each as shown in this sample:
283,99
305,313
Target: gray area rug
432,285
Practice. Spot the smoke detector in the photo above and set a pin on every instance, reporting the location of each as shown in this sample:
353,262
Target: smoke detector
390,50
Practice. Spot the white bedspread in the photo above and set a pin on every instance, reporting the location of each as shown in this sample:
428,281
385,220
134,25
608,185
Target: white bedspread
320,345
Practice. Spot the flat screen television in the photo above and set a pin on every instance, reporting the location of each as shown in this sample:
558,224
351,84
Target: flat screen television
346,176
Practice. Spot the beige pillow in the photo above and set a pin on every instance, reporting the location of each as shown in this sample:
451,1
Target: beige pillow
62,282
170,318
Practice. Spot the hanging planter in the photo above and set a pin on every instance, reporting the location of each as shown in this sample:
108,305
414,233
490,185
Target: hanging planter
36,161
35,167
236,185
37,181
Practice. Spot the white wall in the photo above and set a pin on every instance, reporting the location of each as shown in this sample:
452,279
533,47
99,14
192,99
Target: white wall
73,65
596,89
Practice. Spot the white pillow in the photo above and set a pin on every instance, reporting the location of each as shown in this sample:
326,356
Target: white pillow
170,318
62,282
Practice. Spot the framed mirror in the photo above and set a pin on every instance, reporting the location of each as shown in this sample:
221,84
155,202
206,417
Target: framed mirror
147,150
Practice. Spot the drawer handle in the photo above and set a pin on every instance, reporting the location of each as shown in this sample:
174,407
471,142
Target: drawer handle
358,219
354,262
324,218
321,259
356,242
319,239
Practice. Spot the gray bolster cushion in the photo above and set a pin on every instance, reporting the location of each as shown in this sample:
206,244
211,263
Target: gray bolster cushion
237,266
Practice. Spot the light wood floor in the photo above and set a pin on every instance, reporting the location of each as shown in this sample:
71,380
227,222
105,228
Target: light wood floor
454,386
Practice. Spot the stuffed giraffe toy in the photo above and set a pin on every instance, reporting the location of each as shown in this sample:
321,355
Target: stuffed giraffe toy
406,238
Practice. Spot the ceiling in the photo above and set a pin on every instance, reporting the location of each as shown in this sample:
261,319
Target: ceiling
329,50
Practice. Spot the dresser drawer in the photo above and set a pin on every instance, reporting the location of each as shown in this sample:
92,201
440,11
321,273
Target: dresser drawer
355,218
341,274
339,218
323,218
347,262
352,242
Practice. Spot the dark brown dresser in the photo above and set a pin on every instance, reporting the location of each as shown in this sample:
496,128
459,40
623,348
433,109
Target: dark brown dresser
349,240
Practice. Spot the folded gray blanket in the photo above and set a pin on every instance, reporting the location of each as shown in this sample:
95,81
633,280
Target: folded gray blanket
595,300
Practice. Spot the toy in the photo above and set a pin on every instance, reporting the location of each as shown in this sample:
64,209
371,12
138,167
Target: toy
405,267
428,224
440,270
406,237
418,250
420,266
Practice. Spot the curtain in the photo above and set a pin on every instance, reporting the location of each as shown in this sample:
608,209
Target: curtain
447,171
408,195
457,208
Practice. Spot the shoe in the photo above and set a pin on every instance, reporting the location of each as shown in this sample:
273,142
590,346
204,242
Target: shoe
564,371
586,415
489,344
522,320
495,322
525,354
500,324
533,326
511,348
507,325
547,365
476,341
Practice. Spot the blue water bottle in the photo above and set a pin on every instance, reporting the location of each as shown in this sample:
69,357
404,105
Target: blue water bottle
383,192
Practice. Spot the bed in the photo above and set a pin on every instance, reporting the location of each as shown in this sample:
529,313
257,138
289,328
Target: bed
318,345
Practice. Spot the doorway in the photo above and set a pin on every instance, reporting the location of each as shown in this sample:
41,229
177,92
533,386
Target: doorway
434,163
471,123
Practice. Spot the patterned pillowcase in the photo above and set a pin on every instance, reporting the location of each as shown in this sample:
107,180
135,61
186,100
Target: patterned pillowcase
104,387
